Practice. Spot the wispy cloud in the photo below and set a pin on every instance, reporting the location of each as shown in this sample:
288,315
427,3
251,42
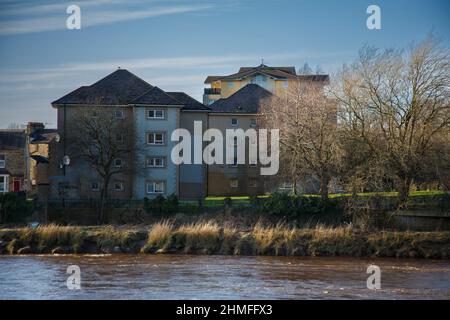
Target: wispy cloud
20,18
172,65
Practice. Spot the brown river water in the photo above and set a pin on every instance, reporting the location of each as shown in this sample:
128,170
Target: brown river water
220,277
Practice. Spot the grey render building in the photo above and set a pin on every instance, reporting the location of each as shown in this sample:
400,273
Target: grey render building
153,114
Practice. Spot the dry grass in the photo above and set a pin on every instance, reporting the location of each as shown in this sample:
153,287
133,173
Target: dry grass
158,235
210,237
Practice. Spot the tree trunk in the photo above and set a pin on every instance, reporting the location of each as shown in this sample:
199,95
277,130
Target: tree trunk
403,190
103,196
324,181
294,187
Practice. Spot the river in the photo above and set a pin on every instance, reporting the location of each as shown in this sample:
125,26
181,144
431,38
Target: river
219,277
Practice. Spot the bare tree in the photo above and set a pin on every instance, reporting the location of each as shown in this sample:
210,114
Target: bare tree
305,70
99,137
307,122
396,103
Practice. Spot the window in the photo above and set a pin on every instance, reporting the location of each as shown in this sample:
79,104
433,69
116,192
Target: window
155,138
253,123
95,186
118,186
211,101
155,114
156,162
253,183
3,183
155,186
2,161
119,114
118,163
230,84
285,84
234,122
234,183
119,137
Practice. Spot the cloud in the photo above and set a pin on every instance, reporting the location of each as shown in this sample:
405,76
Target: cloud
55,15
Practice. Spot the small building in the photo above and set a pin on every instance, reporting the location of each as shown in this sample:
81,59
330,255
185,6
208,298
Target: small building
12,160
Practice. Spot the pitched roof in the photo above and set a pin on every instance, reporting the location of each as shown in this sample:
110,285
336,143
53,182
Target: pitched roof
275,72
40,159
189,102
117,88
156,96
12,139
210,79
314,77
245,100
290,70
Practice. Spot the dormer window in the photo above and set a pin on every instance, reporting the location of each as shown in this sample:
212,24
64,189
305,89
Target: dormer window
234,122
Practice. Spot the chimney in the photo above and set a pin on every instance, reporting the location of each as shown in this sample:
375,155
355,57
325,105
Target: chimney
33,126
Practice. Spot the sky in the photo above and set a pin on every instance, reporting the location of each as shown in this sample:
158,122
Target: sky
175,44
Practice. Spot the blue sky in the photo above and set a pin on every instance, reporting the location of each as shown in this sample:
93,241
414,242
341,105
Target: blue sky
175,44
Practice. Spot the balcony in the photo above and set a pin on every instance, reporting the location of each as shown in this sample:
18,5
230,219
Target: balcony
212,90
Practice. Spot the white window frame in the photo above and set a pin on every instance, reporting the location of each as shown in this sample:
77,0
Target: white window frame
163,111
3,161
154,133
5,183
150,162
253,123
237,122
234,185
153,184
121,186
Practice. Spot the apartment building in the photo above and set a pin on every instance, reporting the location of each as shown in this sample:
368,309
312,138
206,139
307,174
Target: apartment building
235,101
152,114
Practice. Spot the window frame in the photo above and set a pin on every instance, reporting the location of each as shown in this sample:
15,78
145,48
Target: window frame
115,163
154,182
154,133
97,188
154,112
3,161
232,185
150,158
122,114
237,122
253,185
122,187
5,183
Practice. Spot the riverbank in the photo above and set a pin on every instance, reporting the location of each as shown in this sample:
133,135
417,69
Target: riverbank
209,238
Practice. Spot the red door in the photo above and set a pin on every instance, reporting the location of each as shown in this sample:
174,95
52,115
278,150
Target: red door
16,185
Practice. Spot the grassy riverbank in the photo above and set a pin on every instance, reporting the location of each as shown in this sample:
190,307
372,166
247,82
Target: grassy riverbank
208,237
